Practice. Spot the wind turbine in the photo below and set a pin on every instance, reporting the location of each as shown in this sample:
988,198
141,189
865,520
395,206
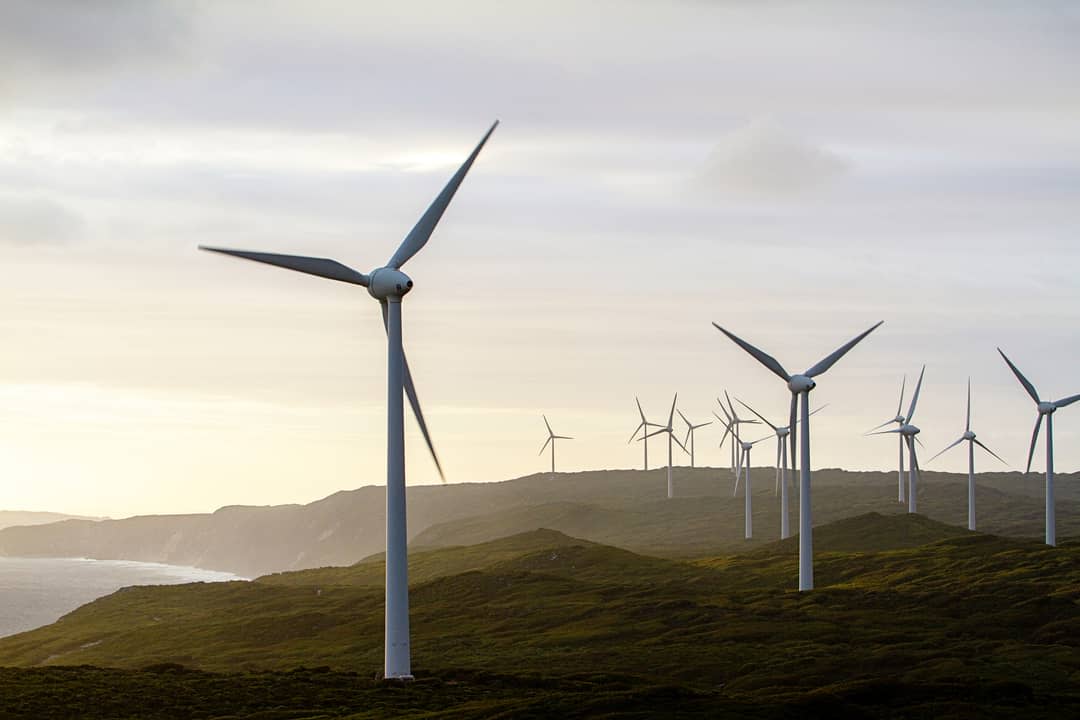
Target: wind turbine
729,430
801,385
389,285
552,437
908,433
1046,409
671,439
972,442
643,426
899,420
736,422
690,428
781,434
744,462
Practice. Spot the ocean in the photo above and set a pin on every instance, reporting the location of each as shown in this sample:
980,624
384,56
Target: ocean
38,591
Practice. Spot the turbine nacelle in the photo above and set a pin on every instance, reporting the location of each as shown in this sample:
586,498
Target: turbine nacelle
801,383
908,429
746,445
1047,408
783,432
968,435
388,282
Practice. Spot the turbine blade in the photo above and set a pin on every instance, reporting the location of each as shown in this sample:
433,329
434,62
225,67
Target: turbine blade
546,424
915,396
671,415
322,267
1034,437
544,446
920,442
684,418
414,402
679,444
946,449
1020,376
562,437
635,433
878,427
764,358
654,433
723,410
900,405
885,432
418,236
731,407
840,352
968,426
758,414
727,431
1066,401
990,451
819,409
640,411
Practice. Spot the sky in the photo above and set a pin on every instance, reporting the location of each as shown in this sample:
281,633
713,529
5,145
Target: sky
792,171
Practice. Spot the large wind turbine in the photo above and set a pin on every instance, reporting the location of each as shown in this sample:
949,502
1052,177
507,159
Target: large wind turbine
972,442
552,437
1046,409
899,420
690,428
781,434
670,431
644,425
389,285
801,385
908,433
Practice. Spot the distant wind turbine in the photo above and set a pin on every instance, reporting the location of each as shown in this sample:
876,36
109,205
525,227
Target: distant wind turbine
972,442
801,385
670,431
781,434
690,428
643,427
748,492
1046,409
552,437
899,420
729,431
736,421
908,433
389,285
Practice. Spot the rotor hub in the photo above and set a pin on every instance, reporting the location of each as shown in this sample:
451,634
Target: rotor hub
801,383
746,445
968,435
387,282
783,432
908,429
1046,408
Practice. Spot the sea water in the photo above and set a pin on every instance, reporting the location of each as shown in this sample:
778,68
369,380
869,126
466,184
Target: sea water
38,591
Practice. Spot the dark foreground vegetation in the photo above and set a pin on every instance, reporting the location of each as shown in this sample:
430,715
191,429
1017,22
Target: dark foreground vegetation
930,622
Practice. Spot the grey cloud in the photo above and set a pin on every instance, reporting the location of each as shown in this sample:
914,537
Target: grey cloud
37,221
763,159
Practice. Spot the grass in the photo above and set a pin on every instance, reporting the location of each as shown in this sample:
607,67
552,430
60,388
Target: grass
926,620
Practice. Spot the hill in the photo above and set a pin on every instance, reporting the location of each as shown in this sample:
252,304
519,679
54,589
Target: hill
627,508
965,621
11,518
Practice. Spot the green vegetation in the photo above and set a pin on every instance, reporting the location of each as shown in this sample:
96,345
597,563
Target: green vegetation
912,618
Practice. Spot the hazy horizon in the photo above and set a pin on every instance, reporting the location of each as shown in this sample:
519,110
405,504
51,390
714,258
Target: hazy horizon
793,173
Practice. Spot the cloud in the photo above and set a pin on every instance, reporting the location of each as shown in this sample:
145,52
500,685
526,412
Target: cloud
37,221
762,158
50,40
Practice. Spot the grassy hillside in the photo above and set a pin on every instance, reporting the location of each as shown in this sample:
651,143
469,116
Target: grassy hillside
620,507
963,620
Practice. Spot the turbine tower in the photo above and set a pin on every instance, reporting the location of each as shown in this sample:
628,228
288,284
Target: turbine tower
781,434
1046,409
644,425
899,420
671,439
552,437
801,385
690,428
972,442
908,433
389,285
